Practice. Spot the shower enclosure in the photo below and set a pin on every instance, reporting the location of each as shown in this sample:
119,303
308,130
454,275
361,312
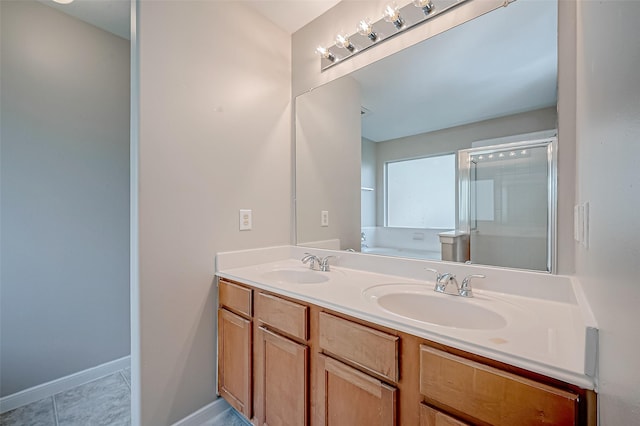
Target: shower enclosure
508,203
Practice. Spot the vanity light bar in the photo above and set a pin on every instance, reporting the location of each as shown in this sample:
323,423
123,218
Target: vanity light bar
394,21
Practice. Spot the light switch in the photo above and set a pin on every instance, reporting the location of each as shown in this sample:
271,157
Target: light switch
578,217
581,224
245,220
324,218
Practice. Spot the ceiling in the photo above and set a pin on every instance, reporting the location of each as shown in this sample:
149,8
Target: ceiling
291,15
499,64
113,15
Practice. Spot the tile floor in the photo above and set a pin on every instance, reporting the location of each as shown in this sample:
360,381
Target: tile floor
228,418
102,402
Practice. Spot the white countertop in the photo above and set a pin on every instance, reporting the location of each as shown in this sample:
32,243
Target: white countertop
549,329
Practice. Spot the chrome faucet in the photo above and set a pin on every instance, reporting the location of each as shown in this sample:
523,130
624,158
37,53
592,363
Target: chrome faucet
324,263
311,259
464,290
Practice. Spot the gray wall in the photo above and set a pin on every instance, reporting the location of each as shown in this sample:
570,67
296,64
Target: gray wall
215,137
65,196
328,152
368,180
608,148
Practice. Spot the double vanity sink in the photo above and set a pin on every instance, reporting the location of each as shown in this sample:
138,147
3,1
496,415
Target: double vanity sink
294,342
531,320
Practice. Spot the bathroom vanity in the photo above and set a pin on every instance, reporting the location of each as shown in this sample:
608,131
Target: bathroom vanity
297,346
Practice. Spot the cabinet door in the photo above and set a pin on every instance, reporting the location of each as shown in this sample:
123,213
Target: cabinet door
234,360
431,417
346,396
281,380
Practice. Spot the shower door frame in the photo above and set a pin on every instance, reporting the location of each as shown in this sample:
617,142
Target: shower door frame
464,188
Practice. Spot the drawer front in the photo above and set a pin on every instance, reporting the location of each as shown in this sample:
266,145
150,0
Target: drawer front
234,297
491,395
288,317
429,416
365,347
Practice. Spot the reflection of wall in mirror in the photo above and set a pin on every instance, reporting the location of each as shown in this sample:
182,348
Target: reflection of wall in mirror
328,152
429,144
368,180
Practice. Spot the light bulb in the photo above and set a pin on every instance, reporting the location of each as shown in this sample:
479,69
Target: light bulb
63,1
501,155
425,5
324,52
343,41
392,14
364,28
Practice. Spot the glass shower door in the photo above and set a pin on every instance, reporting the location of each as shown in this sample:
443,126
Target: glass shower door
510,197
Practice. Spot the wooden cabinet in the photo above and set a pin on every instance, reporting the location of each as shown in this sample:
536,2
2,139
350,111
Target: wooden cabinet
369,349
281,367
491,395
355,396
283,362
430,416
234,360
346,396
235,298
287,317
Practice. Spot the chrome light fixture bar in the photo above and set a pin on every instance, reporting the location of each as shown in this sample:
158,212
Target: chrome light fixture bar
394,21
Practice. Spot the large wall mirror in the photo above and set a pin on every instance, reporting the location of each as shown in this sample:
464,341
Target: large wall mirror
445,150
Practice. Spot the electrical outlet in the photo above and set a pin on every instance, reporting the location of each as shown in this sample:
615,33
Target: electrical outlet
324,218
246,221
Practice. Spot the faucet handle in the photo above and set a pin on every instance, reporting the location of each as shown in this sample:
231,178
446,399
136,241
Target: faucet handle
311,259
465,288
438,275
324,263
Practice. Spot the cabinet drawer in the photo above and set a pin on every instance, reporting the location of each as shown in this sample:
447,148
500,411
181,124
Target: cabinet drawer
234,297
288,317
491,395
431,417
365,347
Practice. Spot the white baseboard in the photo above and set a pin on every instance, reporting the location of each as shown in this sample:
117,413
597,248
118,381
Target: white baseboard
205,414
62,384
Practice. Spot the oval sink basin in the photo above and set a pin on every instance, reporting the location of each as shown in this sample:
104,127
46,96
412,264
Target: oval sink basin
294,276
421,303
